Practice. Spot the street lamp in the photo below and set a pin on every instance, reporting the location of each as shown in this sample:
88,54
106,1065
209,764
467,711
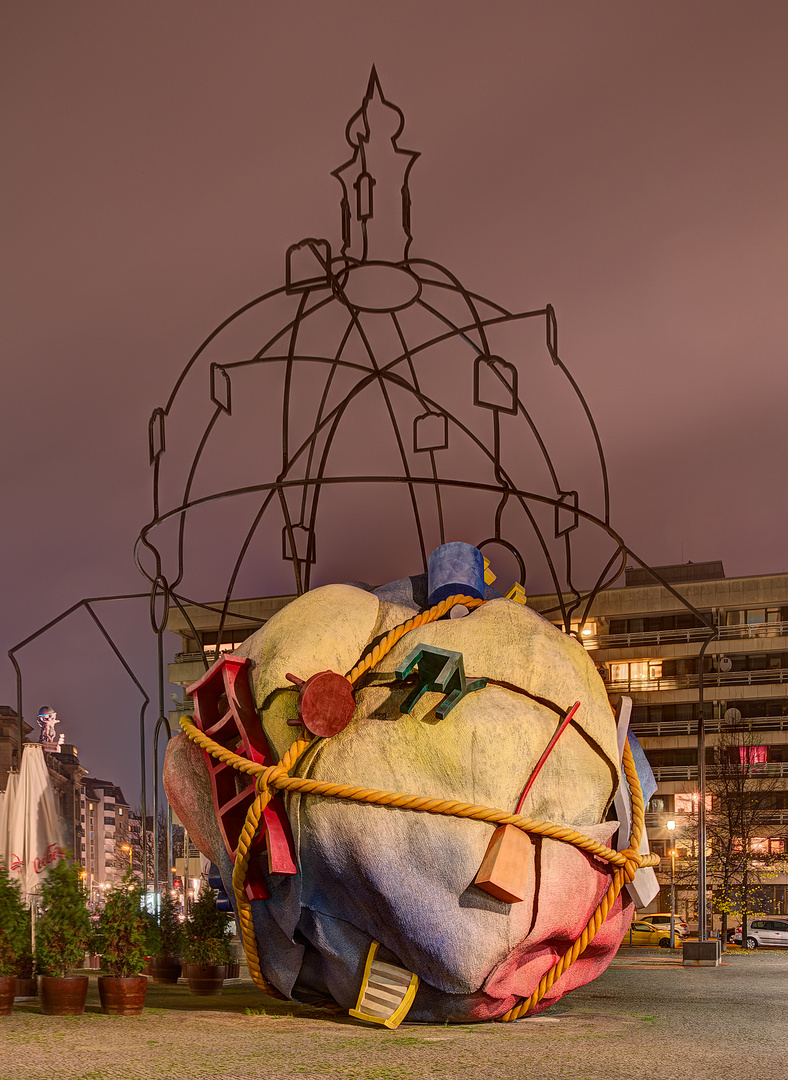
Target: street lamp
671,825
127,847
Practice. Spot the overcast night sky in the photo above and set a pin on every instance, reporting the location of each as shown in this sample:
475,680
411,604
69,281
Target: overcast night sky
625,162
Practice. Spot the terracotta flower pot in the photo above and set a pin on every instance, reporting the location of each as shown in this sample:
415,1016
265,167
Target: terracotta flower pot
206,979
7,994
164,969
63,997
122,997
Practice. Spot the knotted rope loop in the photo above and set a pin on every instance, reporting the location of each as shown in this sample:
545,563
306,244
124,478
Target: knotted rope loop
631,864
268,777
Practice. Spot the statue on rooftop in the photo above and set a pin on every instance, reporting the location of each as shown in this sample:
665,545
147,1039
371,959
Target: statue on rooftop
47,718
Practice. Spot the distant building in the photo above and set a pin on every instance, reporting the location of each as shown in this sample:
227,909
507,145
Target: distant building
9,742
246,617
646,644
135,842
104,815
65,774
94,815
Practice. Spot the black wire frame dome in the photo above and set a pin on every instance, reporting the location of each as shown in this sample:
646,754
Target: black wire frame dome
373,281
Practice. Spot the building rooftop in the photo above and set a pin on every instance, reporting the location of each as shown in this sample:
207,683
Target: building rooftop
676,573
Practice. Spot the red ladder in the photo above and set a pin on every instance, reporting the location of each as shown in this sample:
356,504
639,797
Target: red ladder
224,709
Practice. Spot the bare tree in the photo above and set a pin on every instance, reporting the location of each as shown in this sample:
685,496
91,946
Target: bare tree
166,854
741,825
745,844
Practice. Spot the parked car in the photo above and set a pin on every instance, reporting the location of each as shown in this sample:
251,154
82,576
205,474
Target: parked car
662,919
644,933
764,932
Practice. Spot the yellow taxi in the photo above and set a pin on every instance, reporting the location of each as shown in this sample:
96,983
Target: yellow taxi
645,933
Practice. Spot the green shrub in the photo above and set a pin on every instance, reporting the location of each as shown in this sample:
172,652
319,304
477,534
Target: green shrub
122,933
207,932
63,932
14,927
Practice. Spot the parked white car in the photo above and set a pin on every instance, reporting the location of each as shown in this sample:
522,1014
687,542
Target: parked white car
662,920
773,931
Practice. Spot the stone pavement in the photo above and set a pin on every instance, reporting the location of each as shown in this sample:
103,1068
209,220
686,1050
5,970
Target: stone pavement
646,1018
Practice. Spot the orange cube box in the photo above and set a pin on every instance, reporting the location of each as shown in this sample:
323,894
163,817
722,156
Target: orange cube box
504,870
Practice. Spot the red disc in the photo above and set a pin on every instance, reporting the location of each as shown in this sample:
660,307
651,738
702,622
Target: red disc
326,703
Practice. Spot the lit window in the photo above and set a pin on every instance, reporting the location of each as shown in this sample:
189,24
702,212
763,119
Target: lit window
752,616
688,803
636,671
752,755
120,811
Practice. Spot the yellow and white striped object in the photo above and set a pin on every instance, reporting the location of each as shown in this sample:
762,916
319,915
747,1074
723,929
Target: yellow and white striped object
387,992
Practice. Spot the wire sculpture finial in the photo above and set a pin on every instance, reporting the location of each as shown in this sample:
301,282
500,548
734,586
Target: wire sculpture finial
375,195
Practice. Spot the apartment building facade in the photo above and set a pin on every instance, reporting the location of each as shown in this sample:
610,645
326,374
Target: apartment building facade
105,847
647,645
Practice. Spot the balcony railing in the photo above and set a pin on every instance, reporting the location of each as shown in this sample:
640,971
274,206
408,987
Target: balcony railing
695,633
657,820
605,641
757,771
644,728
690,682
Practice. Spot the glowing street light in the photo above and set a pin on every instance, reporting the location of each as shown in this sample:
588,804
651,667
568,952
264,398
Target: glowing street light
671,825
127,847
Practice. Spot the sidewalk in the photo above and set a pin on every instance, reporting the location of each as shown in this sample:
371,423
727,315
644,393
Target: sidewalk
656,1021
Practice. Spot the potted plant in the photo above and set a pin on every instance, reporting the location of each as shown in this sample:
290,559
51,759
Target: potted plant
123,940
14,939
165,963
63,934
207,951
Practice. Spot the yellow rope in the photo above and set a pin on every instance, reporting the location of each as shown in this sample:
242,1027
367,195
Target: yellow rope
277,777
244,849
387,643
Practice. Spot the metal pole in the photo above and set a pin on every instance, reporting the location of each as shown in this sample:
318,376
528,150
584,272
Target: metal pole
19,721
672,899
702,793
186,874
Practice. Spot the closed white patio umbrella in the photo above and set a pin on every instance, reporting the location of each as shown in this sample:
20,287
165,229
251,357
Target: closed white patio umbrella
34,840
7,798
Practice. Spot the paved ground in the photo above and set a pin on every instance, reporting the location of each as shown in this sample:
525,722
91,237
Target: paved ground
646,1018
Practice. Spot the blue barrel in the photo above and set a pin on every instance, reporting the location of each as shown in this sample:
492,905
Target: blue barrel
455,568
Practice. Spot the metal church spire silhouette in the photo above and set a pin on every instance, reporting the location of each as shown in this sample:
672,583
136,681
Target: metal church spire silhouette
375,194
